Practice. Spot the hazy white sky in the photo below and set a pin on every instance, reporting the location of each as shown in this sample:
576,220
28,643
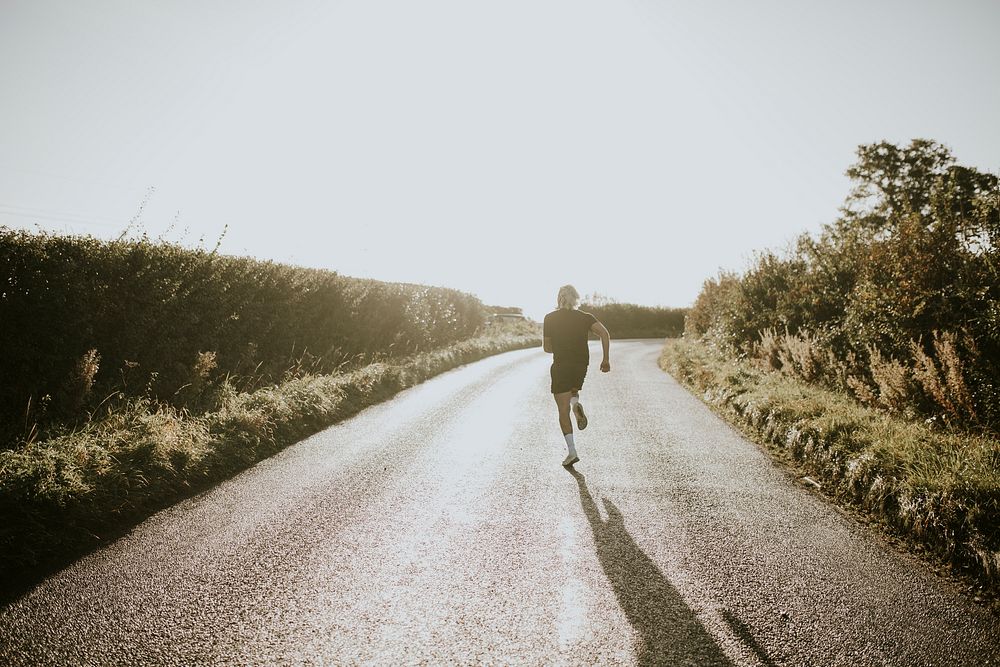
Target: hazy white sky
504,148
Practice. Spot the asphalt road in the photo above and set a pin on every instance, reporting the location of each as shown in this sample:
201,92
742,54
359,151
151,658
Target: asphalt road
440,528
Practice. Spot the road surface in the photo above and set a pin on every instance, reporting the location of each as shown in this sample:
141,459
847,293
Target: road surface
440,528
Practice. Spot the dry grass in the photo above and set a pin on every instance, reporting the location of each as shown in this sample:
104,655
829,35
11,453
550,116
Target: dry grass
933,381
894,388
940,489
943,379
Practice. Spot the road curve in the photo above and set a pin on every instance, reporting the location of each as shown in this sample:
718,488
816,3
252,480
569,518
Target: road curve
440,528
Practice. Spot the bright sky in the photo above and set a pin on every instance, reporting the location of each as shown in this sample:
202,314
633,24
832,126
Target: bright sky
505,148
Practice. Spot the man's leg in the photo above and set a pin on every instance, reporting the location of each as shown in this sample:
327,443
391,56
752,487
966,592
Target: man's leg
576,407
562,403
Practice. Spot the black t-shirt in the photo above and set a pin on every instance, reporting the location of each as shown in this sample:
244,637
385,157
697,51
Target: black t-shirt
568,330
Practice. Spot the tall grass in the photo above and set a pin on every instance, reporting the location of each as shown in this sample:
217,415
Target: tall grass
933,381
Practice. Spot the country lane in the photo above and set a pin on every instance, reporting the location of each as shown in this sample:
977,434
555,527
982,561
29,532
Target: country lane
440,528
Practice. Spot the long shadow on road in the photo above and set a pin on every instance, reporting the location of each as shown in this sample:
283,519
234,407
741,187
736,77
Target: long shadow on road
669,632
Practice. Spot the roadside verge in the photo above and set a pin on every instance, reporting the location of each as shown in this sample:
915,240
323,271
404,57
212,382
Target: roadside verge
61,497
938,490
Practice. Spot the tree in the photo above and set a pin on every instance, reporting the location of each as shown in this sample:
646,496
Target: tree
890,181
597,299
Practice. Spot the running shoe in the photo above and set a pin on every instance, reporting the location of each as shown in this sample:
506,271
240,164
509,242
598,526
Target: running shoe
570,459
581,416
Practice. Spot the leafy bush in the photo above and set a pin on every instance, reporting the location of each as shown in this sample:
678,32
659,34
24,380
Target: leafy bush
628,320
897,301
85,320
715,310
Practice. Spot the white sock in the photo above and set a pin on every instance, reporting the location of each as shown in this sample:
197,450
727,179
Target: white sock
573,400
569,443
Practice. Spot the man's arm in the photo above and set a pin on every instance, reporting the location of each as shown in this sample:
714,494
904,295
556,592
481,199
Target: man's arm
547,344
602,331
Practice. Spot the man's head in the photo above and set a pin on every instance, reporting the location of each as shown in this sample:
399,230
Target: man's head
568,297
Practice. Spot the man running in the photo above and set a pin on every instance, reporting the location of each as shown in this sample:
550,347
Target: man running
564,335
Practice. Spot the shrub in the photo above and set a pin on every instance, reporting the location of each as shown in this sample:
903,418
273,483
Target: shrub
83,319
81,379
628,320
715,309
897,301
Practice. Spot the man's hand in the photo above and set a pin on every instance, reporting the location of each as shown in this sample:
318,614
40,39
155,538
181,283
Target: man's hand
602,331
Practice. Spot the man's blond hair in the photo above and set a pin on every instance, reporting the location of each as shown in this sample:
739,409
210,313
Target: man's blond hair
568,297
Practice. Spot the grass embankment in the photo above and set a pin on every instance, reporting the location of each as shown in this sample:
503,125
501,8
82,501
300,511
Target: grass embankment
939,490
62,496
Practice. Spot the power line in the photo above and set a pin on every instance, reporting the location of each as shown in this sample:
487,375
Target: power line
72,179
57,216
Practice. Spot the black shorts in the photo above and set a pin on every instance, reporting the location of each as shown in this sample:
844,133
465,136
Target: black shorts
567,377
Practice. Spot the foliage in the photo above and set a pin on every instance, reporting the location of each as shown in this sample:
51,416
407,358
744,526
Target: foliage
627,320
897,301
84,321
715,308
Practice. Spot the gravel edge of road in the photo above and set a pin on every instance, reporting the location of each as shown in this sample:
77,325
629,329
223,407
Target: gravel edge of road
45,539
973,582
